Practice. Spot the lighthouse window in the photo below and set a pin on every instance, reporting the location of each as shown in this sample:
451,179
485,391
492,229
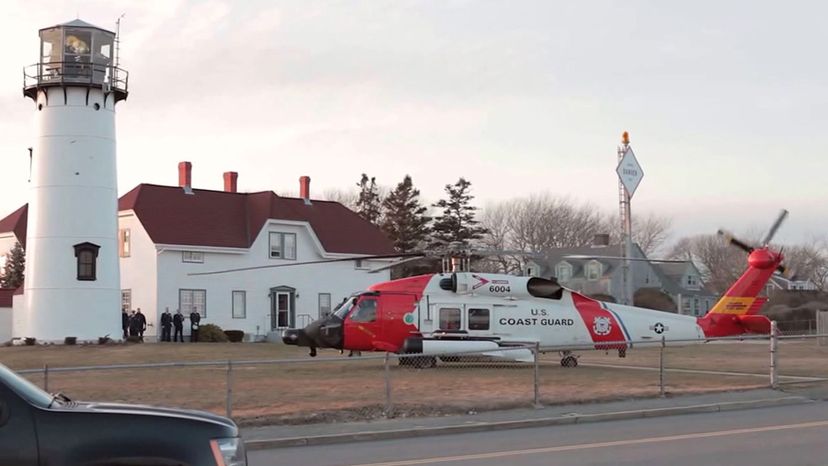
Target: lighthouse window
87,256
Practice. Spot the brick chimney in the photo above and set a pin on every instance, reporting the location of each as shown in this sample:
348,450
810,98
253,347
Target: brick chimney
304,188
185,175
231,182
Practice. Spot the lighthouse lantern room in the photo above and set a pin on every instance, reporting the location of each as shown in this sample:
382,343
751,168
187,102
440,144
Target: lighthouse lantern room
72,282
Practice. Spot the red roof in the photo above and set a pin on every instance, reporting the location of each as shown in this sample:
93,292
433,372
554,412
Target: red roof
224,219
16,223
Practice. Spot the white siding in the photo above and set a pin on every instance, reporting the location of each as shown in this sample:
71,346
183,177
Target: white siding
338,279
139,272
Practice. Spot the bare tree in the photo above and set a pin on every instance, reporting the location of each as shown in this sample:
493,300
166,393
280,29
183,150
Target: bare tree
719,263
536,225
650,232
346,197
809,261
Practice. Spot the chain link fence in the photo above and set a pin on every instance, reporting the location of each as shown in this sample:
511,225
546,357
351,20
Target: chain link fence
338,389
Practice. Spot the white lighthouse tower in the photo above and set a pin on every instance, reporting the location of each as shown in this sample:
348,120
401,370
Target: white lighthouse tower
72,284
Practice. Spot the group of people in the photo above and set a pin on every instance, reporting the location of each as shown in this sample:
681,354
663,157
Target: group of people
135,324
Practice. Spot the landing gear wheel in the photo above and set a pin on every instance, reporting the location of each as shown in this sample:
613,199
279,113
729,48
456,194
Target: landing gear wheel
569,361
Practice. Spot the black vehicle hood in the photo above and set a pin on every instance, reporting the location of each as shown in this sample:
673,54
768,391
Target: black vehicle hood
145,410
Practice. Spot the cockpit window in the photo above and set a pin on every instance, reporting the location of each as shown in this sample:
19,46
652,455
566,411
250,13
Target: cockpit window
366,311
343,308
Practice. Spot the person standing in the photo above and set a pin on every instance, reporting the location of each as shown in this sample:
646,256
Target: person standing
178,322
166,324
133,324
195,320
142,324
125,322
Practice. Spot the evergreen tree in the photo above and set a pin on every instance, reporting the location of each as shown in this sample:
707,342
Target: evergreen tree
457,223
368,204
15,265
405,222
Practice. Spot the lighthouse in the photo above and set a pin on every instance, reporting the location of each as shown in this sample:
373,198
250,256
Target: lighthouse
72,282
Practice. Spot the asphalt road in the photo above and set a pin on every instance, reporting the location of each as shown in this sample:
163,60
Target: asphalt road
789,435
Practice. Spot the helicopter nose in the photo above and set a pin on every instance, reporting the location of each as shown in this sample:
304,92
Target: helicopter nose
294,337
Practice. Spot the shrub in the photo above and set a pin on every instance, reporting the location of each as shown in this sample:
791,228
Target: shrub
133,339
211,333
30,341
235,336
70,340
104,340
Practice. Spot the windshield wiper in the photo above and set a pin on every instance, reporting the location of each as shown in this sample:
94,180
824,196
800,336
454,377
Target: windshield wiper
59,396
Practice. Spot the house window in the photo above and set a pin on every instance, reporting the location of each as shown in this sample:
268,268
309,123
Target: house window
126,299
192,256
192,300
478,319
563,272
324,304
282,245
593,270
125,242
87,255
239,304
450,319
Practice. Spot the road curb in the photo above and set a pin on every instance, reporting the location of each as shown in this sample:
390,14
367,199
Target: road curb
330,439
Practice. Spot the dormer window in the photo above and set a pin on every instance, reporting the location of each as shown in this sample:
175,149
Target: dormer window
87,256
593,270
282,245
692,282
563,272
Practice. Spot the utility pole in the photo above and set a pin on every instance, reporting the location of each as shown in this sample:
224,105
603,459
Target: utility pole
629,176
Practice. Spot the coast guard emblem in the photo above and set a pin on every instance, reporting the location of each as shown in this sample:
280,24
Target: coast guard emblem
602,326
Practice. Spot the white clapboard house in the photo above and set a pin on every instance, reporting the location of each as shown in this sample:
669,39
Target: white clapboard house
167,233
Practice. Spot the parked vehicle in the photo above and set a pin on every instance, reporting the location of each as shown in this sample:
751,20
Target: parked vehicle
38,429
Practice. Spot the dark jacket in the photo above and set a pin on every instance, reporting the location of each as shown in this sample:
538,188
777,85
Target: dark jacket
166,319
142,321
178,320
195,319
124,320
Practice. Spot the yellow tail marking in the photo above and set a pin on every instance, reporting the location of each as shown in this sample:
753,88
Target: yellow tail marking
733,305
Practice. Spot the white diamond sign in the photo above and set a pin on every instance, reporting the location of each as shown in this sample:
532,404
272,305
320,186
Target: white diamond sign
629,171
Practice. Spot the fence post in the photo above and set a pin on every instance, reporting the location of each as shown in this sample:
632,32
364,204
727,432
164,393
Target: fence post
536,351
774,342
46,378
387,370
229,400
661,390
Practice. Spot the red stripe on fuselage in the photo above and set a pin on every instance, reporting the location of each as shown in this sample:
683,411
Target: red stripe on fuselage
601,323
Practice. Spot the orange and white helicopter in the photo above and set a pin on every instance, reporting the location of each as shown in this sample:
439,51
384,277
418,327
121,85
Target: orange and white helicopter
461,311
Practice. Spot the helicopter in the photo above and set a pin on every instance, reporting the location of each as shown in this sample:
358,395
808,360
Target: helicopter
456,311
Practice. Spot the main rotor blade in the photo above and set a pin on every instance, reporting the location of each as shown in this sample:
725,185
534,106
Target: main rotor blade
781,218
394,264
584,257
730,239
326,261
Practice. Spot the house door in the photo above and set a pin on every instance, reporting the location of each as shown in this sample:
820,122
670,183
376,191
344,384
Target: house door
282,308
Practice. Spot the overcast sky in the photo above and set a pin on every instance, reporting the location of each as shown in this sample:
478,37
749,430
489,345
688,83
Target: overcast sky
726,102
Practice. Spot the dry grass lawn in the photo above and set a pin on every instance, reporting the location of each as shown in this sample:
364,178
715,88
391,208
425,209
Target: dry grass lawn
308,390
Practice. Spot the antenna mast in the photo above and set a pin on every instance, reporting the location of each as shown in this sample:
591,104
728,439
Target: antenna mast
118,40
